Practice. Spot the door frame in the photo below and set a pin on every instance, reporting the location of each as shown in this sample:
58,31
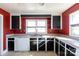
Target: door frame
1,35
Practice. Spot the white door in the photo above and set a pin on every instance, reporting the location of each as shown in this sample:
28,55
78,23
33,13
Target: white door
1,34
22,44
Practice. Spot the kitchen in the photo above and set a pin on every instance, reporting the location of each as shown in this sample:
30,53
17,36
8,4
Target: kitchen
39,28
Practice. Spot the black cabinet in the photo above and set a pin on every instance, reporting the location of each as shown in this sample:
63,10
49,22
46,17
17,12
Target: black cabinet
68,53
56,40
62,51
41,44
33,44
10,44
50,44
71,48
62,43
56,22
62,48
56,47
15,22
59,48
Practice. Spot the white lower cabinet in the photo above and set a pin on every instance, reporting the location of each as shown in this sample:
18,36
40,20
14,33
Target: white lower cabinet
22,44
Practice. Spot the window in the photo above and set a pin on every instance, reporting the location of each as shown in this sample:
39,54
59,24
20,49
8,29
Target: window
37,26
75,30
31,23
74,24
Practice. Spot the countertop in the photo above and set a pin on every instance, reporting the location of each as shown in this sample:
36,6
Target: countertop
74,41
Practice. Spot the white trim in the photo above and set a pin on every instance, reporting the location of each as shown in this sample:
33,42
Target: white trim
10,22
45,44
61,21
65,49
7,42
69,25
20,22
51,21
37,45
54,45
1,35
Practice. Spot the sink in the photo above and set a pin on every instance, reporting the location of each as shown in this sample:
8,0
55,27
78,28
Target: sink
46,36
34,35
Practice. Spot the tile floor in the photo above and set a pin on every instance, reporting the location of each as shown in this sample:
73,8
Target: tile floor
31,53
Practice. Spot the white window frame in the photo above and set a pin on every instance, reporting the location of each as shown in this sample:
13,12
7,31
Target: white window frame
36,27
70,18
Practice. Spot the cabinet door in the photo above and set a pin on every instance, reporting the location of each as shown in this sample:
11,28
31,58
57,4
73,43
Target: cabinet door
56,48
50,44
33,45
15,22
41,44
22,44
62,51
10,45
56,22
68,53
71,48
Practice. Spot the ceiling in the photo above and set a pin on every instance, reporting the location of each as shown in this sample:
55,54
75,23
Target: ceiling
31,8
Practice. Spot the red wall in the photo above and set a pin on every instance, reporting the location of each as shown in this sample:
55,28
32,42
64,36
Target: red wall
6,25
65,18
